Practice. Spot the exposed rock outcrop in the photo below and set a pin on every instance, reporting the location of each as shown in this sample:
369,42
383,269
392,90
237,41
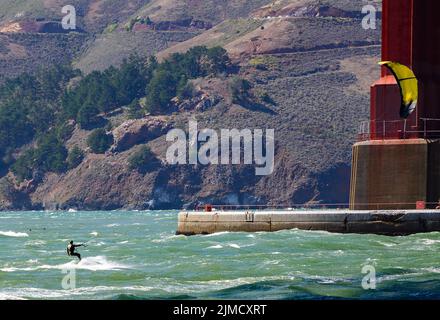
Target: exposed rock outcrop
134,132
200,102
183,24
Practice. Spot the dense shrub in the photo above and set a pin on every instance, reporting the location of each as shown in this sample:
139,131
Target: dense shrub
87,116
161,90
240,90
185,89
218,61
99,141
105,91
171,77
101,92
39,106
23,168
135,110
49,156
142,159
64,131
29,105
15,127
265,97
75,157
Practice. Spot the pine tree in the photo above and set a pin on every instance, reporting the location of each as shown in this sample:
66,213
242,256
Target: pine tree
87,116
161,90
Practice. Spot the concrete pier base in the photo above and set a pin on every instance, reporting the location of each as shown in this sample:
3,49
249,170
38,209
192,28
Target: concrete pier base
395,174
389,222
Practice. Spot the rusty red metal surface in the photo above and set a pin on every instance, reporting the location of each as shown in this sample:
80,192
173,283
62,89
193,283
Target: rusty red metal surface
411,36
396,31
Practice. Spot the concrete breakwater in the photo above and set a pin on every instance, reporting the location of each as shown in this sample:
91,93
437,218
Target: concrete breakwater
384,222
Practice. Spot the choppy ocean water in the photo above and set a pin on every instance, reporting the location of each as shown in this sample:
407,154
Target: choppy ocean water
135,255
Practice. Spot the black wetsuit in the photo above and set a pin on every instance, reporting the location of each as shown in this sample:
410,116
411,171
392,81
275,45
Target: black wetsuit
71,250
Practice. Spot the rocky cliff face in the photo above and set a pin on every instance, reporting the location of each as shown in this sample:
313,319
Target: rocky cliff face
134,132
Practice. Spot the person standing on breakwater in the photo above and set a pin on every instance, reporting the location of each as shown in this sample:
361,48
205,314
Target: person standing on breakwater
71,249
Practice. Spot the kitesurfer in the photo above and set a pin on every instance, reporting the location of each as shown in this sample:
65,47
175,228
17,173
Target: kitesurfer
71,249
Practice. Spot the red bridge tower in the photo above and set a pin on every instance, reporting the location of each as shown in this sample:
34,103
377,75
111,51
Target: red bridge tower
398,163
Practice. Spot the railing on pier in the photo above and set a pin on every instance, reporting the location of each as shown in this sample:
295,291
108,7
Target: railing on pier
399,129
319,206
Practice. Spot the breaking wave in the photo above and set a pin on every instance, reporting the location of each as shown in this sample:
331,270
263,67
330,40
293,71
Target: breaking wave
98,263
13,234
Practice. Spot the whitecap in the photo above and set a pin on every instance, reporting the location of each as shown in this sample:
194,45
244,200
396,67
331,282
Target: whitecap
225,283
13,234
166,238
386,244
10,269
217,246
113,225
13,269
431,270
7,296
429,241
233,245
35,243
326,281
94,233
217,234
32,261
97,263
394,277
40,293
271,262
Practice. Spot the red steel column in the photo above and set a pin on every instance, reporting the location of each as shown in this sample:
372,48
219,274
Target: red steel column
411,36
397,40
426,60
397,32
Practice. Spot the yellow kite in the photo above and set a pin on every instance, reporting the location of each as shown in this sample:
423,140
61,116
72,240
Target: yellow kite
408,84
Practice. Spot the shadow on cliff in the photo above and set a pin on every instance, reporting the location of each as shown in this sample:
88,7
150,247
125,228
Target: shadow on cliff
334,184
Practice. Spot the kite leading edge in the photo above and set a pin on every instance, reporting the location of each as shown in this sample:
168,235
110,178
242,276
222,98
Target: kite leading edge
408,84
